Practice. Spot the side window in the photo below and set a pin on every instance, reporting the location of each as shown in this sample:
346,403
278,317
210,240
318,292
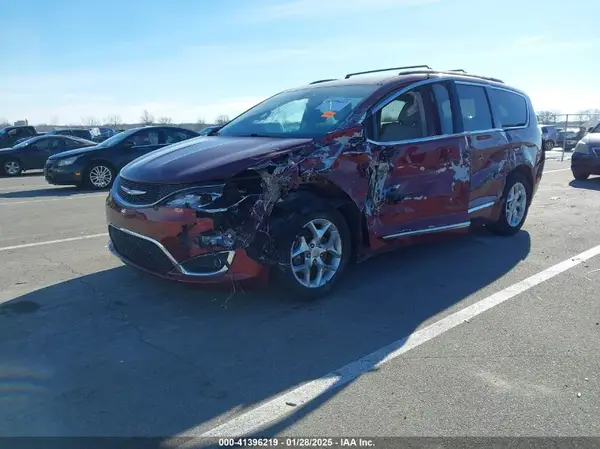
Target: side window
403,118
71,143
50,145
444,107
475,108
175,135
42,144
510,109
29,132
145,137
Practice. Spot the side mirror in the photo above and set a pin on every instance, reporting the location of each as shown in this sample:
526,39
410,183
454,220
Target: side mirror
128,144
214,130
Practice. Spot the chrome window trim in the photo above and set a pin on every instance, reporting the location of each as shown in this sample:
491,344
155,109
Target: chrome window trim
382,103
487,86
451,227
481,207
433,138
385,101
177,265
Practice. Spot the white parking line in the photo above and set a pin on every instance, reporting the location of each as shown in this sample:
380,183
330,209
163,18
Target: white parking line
25,187
51,242
554,171
279,408
74,197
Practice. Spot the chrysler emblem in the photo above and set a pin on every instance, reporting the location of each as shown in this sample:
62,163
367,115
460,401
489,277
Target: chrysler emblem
132,191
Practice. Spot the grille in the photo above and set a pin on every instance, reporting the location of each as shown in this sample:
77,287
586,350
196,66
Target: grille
140,251
154,192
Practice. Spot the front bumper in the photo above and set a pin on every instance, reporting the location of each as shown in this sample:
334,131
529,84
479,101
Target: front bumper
164,241
67,175
586,163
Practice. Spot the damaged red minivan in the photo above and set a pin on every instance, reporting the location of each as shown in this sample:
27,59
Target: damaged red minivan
323,175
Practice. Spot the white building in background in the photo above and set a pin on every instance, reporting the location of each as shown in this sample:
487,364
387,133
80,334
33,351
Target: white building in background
21,123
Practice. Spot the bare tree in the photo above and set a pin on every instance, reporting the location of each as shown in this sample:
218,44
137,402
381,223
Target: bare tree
546,117
165,120
147,118
113,120
222,119
3,122
90,121
54,120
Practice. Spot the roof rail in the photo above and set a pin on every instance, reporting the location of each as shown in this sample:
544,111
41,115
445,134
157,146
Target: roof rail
422,69
323,81
452,72
387,70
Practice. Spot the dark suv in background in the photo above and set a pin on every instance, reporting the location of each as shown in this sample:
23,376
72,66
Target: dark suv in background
586,155
82,133
12,135
549,136
319,176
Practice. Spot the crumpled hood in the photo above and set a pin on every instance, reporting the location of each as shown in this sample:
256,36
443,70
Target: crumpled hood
207,158
75,152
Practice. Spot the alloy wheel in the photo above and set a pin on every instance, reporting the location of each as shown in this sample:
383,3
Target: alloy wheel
316,254
100,176
516,204
12,168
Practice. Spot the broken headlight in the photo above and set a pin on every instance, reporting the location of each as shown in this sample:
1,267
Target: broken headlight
196,198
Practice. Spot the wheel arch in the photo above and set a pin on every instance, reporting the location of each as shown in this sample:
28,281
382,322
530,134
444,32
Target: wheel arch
526,171
329,194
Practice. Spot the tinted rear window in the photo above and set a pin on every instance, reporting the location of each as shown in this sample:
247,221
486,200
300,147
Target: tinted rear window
510,109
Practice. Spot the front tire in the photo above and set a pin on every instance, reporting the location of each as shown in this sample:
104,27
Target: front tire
99,176
515,205
313,252
548,145
579,176
11,167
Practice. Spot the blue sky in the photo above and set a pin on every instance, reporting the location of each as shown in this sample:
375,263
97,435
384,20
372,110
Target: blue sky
189,59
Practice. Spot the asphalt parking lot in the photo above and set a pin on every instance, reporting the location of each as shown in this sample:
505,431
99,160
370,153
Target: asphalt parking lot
89,347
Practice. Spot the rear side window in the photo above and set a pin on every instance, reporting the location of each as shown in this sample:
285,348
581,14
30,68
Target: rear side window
510,109
475,108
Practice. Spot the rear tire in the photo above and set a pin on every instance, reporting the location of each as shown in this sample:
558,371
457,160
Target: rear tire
515,205
309,265
548,145
579,176
99,176
11,167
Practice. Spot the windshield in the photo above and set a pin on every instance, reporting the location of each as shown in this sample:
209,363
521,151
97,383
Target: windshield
27,142
596,129
304,113
117,138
